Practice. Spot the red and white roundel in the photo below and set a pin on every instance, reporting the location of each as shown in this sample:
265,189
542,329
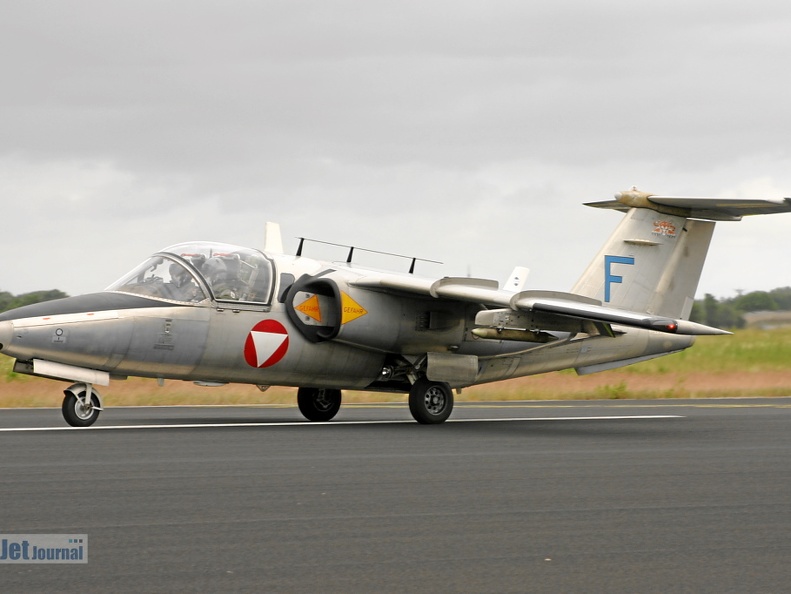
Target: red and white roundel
266,344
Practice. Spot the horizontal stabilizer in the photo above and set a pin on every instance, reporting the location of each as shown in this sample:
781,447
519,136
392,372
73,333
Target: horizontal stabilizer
718,208
712,209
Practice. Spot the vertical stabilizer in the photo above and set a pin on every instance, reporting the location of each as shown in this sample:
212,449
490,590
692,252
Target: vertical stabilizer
651,263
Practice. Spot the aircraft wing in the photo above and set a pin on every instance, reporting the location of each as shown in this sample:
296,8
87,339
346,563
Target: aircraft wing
544,310
569,305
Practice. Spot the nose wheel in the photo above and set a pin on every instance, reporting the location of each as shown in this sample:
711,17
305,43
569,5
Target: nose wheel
81,405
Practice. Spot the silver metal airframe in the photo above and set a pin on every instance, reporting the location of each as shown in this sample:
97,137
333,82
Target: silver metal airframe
215,313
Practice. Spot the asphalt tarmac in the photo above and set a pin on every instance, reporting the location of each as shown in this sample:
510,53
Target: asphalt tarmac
617,496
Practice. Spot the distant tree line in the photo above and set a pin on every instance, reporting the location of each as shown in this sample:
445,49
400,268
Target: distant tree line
729,313
9,301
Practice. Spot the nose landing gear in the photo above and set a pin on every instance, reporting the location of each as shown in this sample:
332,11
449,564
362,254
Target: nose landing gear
81,405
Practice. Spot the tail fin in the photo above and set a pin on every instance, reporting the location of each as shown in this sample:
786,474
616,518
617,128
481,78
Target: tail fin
654,259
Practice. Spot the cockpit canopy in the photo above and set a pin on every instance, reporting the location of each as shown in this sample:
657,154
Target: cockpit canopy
197,272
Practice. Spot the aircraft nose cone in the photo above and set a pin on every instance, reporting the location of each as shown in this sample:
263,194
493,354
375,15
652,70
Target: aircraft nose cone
6,332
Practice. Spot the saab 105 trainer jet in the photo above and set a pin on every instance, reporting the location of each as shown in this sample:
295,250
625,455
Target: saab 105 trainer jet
215,314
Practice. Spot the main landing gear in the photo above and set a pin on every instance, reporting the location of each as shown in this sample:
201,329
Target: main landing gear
81,405
429,402
319,404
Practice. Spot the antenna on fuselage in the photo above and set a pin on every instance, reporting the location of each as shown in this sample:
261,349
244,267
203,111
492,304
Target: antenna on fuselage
349,256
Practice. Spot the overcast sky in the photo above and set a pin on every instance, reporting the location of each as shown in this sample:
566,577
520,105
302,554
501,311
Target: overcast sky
465,132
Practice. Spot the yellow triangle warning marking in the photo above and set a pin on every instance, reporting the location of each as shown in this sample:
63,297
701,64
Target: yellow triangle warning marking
310,307
350,309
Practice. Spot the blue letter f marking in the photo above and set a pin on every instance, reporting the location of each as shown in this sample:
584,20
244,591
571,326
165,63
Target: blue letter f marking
609,277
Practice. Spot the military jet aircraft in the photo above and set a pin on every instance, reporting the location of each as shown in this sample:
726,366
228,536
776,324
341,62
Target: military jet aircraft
215,314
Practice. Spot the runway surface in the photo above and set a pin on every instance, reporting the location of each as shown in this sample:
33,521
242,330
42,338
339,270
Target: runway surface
617,496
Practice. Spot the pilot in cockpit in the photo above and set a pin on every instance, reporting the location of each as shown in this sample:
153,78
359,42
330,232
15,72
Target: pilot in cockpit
224,281
182,287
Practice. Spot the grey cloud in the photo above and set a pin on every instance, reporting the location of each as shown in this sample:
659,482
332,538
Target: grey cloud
467,131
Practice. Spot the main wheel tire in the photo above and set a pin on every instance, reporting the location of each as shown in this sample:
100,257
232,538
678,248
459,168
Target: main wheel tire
319,404
430,402
78,415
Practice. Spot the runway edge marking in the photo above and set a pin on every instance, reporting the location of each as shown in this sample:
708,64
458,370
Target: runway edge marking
327,424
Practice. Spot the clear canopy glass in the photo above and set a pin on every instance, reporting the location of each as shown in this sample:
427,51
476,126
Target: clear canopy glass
195,272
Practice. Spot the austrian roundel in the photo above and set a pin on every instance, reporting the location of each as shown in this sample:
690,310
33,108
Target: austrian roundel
266,344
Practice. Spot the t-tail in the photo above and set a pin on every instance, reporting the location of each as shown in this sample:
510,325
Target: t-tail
653,261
